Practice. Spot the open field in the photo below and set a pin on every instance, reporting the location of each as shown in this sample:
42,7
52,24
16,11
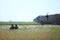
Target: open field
30,32
19,23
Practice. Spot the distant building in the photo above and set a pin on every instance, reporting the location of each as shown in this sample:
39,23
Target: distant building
53,19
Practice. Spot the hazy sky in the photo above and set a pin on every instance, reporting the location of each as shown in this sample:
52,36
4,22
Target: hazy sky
27,10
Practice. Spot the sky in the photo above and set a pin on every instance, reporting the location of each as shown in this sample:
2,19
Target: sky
27,10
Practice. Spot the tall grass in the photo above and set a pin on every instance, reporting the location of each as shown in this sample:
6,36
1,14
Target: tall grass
40,32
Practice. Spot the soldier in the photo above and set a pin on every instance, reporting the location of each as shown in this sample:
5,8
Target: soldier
16,27
12,26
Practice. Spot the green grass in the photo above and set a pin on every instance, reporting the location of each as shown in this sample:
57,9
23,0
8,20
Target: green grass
27,34
52,33
19,23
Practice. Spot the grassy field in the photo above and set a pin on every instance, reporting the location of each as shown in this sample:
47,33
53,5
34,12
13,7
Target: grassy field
19,23
30,32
